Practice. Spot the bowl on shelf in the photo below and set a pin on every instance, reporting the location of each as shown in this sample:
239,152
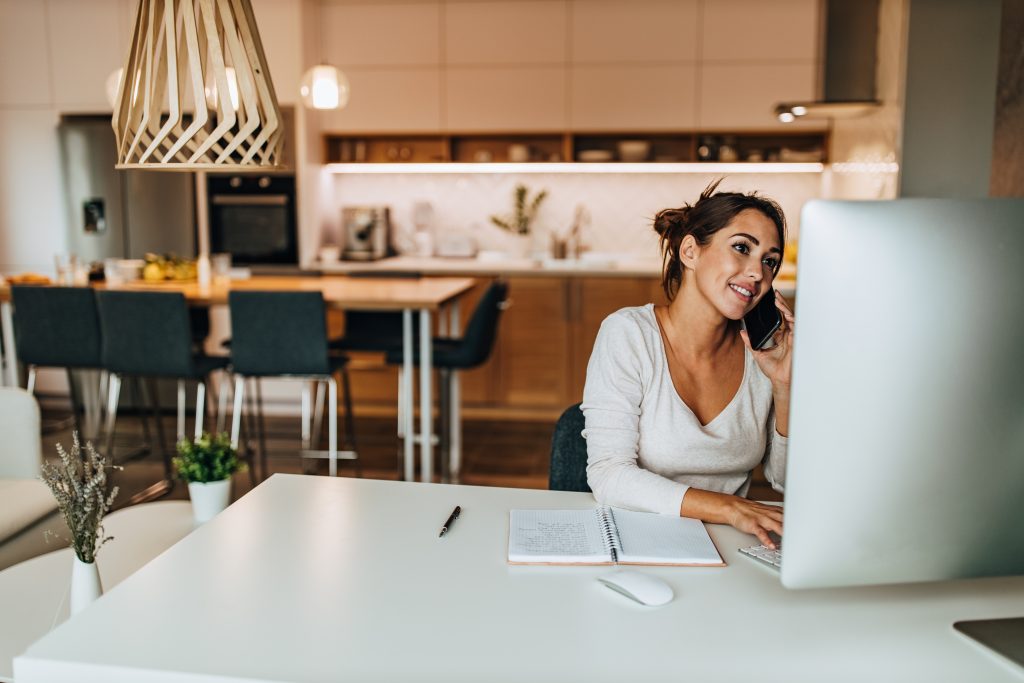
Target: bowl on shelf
634,150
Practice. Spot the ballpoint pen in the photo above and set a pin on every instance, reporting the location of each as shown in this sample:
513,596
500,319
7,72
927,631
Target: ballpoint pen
451,520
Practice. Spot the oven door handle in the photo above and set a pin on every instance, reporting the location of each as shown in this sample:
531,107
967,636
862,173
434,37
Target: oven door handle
243,200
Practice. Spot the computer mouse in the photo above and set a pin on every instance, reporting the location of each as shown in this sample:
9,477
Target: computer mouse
644,588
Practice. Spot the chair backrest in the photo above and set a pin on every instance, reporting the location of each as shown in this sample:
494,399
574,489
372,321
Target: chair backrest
21,452
56,326
569,453
278,333
146,333
482,328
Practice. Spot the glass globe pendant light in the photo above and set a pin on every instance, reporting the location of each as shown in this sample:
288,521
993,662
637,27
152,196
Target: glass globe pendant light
324,87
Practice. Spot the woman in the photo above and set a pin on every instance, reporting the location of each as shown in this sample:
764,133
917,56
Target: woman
679,409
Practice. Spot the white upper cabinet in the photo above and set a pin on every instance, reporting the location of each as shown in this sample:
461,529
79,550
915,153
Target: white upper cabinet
743,96
759,30
608,31
507,99
755,54
88,44
380,34
389,100
477,33
24,56
633,97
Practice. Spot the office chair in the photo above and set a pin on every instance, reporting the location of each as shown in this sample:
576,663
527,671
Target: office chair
569,453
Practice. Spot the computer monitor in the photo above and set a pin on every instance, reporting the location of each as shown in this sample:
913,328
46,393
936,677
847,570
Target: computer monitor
906,446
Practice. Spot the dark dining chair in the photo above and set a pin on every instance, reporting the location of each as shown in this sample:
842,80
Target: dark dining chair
452,354
284,335
149,334
57,327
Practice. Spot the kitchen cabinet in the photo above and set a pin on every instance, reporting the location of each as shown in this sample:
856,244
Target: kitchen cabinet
24,54
631,31
531,32
632,97
279,26
383,101
539,362
536,335
758,31
377,34
523,98
742,96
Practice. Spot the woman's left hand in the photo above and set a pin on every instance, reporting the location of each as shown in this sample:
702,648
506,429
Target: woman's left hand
776,362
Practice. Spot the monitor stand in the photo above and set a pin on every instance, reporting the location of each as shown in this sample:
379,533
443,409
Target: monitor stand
1005,636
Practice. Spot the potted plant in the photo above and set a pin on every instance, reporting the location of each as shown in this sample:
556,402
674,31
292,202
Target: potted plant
79,483
524,211
207,464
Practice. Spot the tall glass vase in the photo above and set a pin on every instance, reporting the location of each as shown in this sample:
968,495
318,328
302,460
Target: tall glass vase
85,585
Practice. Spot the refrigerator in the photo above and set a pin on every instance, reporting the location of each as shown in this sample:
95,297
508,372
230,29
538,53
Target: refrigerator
124,214
121,214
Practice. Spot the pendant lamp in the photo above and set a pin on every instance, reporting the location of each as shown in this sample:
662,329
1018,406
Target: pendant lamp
196,92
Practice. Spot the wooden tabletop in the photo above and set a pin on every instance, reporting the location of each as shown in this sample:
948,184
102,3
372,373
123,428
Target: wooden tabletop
377,294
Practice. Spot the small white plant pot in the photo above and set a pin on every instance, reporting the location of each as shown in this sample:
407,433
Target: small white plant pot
85,584
209,499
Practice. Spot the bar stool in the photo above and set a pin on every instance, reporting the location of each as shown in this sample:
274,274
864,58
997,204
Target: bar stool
148,334
57,327
284,335
449,355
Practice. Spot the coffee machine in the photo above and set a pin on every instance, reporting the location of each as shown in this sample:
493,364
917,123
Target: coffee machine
367,232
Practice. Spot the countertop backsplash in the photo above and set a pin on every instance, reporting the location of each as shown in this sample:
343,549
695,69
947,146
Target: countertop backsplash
620,206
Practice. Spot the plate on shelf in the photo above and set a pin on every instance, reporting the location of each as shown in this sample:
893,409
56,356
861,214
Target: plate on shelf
594,155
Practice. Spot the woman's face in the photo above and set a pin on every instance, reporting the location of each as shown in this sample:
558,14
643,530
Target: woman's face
736,269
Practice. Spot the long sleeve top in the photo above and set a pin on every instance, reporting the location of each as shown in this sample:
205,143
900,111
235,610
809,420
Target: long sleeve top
645,447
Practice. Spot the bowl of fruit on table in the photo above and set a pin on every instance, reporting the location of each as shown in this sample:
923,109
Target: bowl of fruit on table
168,267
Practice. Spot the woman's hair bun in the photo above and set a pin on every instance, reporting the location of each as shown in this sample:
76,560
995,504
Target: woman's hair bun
668,222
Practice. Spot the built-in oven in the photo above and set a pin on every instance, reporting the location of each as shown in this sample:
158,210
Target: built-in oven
253,217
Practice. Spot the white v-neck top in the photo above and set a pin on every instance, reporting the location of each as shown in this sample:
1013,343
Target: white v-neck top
645,447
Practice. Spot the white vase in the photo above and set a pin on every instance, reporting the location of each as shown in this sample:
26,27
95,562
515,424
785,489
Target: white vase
209,499
85,584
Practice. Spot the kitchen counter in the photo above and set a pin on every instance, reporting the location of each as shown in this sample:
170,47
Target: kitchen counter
525,267
595,267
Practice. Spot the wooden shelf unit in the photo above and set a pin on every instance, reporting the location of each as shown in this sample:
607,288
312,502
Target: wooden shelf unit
665,146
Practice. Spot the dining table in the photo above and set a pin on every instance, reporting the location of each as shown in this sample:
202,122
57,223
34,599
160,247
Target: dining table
423,297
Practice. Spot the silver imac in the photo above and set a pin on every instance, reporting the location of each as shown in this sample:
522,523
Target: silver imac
906,449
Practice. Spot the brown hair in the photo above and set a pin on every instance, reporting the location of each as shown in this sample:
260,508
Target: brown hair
709,214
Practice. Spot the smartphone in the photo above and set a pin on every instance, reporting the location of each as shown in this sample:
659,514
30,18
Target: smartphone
762,321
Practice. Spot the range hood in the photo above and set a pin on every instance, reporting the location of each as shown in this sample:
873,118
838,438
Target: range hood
851,42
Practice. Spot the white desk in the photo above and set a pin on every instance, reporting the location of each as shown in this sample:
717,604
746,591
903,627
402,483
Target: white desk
34,593
323,579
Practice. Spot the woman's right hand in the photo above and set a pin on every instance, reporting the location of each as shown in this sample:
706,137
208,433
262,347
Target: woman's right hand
746,515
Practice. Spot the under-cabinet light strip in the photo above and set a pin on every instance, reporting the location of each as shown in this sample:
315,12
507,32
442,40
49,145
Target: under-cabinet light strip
614,167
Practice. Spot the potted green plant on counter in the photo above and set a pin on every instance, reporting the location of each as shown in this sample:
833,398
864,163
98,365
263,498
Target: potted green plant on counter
524,212
207,464
79,483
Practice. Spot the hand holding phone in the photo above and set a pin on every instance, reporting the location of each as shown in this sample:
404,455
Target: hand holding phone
763,321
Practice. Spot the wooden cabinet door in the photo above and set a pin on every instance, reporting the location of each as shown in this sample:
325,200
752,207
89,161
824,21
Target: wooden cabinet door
594,300
534,348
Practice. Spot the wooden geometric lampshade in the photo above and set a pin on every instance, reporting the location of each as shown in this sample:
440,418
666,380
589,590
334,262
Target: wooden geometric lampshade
196,92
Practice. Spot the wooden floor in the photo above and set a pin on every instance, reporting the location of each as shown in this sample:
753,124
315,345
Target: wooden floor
495,453
510,454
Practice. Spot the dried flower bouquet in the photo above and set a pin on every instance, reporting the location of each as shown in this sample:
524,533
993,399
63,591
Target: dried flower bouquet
79,483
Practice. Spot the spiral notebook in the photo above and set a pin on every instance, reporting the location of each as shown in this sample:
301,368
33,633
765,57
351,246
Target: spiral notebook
607,535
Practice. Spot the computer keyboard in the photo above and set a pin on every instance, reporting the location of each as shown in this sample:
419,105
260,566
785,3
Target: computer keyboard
765,555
